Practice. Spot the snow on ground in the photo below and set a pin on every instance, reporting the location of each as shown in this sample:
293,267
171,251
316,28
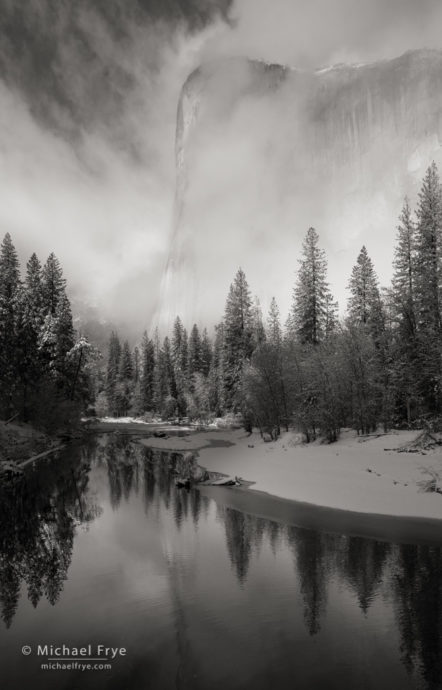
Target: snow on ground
126,420
353,474
114,423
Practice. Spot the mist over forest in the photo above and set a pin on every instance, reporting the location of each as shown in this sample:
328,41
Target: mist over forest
317,373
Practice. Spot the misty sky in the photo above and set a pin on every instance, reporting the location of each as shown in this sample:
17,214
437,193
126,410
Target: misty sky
88,95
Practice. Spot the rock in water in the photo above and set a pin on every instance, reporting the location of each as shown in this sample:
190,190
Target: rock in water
182,483
264,151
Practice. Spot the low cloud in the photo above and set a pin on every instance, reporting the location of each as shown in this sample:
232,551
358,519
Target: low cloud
88,103
87,128
314,33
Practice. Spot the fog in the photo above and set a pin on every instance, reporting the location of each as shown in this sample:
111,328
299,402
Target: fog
87,127
315,33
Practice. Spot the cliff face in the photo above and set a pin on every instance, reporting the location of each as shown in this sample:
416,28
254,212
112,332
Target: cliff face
264,151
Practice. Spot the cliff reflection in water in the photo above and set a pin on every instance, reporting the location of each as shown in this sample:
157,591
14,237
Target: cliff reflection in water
39,516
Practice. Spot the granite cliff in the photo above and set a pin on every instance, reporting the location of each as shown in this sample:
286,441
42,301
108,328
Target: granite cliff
263,151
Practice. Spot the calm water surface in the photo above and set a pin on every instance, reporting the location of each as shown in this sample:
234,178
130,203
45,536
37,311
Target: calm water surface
99,547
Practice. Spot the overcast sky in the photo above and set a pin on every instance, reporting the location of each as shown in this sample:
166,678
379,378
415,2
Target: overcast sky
88,95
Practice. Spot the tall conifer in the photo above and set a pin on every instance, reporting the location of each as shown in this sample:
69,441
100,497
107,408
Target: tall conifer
364,305
53,284
312,300
428,287
238,339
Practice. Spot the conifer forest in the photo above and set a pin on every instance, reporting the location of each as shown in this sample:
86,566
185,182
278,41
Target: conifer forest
376,361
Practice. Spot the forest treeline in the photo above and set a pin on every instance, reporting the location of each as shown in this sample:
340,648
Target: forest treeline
380,364
45,366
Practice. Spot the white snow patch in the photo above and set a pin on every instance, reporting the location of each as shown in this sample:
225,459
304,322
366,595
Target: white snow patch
123,420
353,474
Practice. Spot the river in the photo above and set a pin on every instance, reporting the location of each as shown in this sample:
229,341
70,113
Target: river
98,547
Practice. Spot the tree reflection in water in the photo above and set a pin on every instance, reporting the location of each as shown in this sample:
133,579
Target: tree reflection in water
239,538
310,549
417,579
38,516
412,576
362,563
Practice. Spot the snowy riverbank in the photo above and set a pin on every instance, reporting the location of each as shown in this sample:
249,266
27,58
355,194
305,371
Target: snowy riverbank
130,425
354,474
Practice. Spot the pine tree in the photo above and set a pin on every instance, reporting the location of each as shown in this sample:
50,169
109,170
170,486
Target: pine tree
428,249
403,314
47,345
147,374
206,353
169,371
364,306
366,313
47,326
358,363
161,381
403,282
136,360
53,284
238,339
200,407
33,279
125,387
170,402
159,376
311,299
28,365
216,373
137,406
267,379
112,373
195,351
34,293
64,341
428,286
9,270
184,359
10,300
126,371
177,340
274,331
331,316
179,362
258,330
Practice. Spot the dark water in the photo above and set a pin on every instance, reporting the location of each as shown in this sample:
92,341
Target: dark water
99,547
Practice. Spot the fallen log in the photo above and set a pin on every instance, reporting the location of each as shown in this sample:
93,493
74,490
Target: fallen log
39,456
226,481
